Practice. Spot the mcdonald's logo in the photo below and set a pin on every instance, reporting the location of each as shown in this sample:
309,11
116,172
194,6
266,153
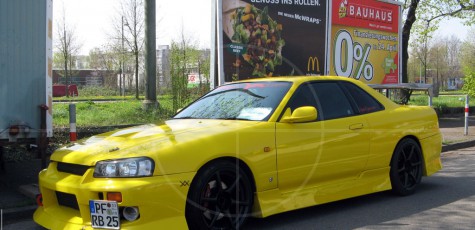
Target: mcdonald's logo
312,63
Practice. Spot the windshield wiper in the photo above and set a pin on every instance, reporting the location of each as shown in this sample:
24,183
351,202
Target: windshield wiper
236,118
241,90
188,117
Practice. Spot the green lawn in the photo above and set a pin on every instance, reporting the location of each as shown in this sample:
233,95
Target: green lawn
443,101
111,113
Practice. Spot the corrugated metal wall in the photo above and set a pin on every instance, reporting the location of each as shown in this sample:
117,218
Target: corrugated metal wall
23,64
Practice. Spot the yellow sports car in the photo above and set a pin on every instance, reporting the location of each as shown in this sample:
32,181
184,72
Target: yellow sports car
249,148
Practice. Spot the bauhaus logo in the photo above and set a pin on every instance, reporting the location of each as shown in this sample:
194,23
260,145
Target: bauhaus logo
365,12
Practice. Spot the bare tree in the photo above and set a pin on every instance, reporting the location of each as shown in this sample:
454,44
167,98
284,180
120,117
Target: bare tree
129,28
68,46
108,58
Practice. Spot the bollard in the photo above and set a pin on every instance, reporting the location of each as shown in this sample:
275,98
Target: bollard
467,108
72,122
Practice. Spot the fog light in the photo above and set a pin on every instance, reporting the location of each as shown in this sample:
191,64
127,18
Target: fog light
131,213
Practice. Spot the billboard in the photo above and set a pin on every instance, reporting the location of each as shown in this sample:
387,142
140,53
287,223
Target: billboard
267,38
365,41
273,38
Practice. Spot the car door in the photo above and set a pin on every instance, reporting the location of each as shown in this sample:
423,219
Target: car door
331,149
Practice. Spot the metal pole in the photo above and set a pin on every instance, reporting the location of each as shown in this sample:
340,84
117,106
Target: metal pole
72,122
121,60
467,108
150,56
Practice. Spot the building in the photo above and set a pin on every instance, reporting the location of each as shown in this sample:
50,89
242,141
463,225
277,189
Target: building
163,69
86,77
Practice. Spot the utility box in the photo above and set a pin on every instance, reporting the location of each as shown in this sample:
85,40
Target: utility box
25,70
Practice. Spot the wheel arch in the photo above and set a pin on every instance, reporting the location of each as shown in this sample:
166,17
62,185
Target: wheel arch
233,160
420,146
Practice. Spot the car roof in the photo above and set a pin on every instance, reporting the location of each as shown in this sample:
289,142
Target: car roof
297,79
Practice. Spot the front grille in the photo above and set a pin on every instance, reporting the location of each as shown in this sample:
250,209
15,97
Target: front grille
72,168
67,200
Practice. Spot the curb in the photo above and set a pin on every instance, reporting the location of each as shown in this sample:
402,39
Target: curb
455,146
15,214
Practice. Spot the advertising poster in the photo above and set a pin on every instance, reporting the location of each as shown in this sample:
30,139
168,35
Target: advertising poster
365,40
264,38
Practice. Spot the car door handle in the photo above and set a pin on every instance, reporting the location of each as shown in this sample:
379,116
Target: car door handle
356,126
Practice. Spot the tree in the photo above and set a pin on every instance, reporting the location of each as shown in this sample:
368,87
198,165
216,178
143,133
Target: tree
467,53
129,27
430,13
108,57
204,71
183,55
468,63
67,45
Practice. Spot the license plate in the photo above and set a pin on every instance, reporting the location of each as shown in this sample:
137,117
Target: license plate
104,214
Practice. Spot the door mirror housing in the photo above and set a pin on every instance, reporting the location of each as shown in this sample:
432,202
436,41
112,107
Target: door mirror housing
300,115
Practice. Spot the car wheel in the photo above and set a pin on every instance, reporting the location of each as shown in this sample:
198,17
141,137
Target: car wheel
220,197
406,167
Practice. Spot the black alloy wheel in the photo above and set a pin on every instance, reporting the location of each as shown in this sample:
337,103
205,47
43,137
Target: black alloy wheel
220,197
406,167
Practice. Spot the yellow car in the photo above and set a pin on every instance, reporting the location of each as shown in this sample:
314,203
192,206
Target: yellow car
249,148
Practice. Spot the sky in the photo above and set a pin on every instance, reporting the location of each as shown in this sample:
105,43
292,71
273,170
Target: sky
93,18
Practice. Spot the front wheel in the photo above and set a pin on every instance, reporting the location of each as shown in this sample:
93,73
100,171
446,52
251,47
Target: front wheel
220,197
406,167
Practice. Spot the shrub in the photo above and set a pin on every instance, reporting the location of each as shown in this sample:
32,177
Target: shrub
469,84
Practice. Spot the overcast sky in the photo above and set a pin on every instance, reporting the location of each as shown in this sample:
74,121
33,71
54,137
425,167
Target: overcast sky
93,18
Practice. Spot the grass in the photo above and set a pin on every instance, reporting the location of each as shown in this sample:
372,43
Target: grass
126,110
91,113
442,101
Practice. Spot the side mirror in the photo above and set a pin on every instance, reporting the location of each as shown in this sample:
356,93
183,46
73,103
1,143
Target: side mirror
300,115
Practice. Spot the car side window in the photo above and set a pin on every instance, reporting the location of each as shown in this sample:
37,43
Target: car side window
333,100
303,96
365,102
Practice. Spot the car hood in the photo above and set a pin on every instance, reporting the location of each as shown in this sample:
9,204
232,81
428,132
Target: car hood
145,140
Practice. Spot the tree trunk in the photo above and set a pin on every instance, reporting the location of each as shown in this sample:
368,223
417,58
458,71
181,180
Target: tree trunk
406,33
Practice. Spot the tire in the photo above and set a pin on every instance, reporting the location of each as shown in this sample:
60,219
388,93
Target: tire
210,206
406,167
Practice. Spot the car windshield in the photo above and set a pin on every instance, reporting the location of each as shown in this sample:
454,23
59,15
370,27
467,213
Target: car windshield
254,101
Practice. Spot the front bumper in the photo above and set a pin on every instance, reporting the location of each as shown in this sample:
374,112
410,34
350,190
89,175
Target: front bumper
161,199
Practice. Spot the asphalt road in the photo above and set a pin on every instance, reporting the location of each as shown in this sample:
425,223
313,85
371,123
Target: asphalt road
445,200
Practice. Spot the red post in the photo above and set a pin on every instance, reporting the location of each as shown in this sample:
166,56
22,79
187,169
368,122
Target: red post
467,109
72,122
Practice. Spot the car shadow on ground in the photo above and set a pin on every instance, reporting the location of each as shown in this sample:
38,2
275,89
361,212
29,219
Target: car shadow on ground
445,187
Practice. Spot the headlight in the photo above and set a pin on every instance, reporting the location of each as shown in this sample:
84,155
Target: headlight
130,167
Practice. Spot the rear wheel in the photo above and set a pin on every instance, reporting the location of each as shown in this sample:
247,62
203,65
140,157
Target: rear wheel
221,197
406,167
